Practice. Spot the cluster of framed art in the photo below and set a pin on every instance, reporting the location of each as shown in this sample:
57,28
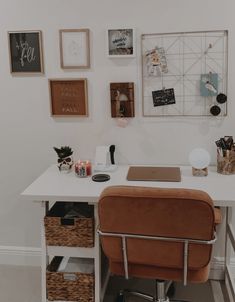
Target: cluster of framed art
183,74
69,96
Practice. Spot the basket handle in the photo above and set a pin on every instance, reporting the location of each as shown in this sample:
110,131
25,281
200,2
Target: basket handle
70,276
67,221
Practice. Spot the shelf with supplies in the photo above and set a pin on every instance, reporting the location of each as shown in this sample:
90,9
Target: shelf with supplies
70,249
70,224
70,279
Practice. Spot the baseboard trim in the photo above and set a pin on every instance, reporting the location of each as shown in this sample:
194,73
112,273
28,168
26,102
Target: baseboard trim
20,255
217,268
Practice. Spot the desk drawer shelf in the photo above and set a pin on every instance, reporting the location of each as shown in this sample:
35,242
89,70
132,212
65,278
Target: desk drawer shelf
70,285
70,224
82,252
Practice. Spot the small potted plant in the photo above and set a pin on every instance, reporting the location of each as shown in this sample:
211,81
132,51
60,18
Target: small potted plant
65,159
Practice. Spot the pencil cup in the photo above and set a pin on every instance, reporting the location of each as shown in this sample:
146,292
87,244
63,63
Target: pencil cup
226,161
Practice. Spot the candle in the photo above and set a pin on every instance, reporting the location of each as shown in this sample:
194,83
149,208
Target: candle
83,168
88,167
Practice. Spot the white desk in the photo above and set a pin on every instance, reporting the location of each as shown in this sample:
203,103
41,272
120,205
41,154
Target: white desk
55,186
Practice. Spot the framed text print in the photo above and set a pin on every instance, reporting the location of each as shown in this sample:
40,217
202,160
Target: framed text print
74,48
25,49
121,43
68,97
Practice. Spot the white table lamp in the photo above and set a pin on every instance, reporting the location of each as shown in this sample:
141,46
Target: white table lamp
199,160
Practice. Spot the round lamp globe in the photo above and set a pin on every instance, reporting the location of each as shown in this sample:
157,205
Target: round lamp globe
199,158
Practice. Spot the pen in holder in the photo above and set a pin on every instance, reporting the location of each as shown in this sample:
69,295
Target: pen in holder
225,155
225,161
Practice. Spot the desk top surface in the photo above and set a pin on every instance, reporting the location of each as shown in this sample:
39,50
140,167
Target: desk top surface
53,185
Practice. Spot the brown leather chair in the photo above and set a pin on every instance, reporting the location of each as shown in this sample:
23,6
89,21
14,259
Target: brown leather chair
156,233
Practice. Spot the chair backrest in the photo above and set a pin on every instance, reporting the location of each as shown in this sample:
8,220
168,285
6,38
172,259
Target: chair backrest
178,213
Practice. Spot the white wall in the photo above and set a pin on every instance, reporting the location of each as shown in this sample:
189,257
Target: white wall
28,132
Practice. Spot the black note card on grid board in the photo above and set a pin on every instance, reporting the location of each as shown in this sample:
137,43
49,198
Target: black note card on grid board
163,97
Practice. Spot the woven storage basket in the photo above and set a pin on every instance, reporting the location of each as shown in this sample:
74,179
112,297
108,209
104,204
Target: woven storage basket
68,286
60,231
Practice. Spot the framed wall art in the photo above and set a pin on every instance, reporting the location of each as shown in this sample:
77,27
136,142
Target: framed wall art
122,99
25,50
74,48
68,97
120,43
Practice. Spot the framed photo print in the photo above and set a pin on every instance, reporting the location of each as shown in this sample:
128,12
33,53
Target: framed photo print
122,99
68,97
74,48
121,43
25,48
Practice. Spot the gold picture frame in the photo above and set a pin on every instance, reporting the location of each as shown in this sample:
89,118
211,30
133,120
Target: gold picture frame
68,97
74,48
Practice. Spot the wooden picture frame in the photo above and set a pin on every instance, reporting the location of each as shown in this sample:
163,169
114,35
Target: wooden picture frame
121,43
74,48
25,52
68,97
122,100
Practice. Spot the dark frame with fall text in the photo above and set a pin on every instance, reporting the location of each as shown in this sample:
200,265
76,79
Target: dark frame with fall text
25,50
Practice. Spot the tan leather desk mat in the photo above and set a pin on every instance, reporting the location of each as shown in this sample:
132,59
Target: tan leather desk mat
154,173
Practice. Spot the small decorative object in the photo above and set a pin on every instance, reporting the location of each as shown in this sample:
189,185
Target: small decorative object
122,99
199,159
100,177
122,122
221,98
209,84
163,97
26,51
83,168
121,43
65,160
156,61
225,155
74,48
215,110
68,97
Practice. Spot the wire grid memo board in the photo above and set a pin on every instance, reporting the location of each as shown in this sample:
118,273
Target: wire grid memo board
182,73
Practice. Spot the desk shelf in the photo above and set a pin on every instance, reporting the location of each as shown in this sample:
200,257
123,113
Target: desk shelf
80,252
49,251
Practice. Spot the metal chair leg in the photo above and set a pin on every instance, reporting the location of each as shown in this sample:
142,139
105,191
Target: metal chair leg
120,297
141,295
161,295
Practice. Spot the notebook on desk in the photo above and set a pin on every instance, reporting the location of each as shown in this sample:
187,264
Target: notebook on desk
154,173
